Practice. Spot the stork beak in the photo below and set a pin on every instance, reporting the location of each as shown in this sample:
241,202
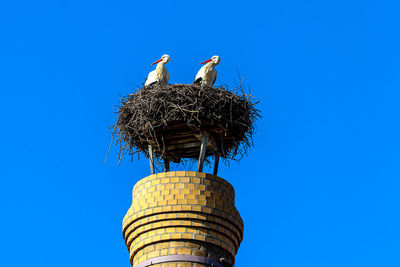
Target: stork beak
208,60
157,61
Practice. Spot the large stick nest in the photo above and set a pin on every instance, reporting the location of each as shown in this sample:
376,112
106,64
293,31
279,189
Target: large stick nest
173,119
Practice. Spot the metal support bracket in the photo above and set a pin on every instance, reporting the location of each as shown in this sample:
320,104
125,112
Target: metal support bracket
166,165
216,162
151,158
203,148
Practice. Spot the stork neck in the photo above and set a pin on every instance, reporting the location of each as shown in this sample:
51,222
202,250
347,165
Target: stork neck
209,66
161,72
160,66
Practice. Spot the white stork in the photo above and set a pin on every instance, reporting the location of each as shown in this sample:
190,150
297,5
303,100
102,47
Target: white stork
208,74
160,74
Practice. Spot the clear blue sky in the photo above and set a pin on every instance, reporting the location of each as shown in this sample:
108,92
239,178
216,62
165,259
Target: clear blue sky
320,188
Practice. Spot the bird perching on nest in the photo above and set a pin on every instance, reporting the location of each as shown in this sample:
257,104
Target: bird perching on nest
207,74
160,74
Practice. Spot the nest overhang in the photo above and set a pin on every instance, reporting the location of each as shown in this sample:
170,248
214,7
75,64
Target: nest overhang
179,140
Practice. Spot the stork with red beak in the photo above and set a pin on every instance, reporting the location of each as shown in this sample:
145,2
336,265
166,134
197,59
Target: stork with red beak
207,74
160,74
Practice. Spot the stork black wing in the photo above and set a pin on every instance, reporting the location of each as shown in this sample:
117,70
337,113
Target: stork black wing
198,80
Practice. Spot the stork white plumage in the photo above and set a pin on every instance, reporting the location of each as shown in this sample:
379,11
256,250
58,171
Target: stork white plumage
207,74
160,74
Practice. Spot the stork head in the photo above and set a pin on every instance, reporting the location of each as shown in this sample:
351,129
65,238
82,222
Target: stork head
215,60
165,59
